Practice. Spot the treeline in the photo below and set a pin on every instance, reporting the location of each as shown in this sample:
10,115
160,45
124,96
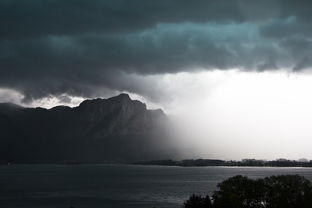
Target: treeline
245,162
284,191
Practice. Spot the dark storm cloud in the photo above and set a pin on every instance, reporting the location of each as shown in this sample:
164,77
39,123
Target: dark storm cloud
84,47
35,18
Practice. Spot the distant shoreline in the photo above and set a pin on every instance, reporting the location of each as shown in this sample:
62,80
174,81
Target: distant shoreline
280,163
146,165
219,163
156,166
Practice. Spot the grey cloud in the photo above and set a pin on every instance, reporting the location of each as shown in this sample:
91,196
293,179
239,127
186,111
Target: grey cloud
267,64
304,63
86,48
37,18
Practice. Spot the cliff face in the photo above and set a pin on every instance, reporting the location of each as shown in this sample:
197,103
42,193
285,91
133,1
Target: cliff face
99,130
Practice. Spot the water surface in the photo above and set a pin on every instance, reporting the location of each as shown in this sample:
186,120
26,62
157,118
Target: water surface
116,186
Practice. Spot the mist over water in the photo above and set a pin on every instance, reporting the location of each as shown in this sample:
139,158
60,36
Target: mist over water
237,115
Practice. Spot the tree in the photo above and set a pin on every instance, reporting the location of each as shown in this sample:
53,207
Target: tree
239,192
287,191
197,201
284,191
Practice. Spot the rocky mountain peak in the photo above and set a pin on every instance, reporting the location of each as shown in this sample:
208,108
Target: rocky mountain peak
122,96
120,102
95,131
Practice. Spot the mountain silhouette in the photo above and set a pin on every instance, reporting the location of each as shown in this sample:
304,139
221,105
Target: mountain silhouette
116,129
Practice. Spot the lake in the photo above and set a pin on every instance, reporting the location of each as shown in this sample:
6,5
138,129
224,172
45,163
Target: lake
116,186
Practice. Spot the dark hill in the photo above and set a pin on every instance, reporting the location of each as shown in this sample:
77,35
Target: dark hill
117,129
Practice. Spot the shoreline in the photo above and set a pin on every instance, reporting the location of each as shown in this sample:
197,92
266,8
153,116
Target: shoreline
148,165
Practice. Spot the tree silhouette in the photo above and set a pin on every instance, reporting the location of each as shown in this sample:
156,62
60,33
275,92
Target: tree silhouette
288,191
284,191
239,192
196,201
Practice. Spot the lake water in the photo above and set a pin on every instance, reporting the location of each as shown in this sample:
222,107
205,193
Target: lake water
115,186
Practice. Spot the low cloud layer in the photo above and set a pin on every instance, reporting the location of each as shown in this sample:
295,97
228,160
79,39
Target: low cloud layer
94,48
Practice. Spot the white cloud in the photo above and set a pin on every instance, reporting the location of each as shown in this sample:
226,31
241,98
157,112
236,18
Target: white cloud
11,96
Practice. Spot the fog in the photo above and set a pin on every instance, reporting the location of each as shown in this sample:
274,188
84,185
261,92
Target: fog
222,114
236,115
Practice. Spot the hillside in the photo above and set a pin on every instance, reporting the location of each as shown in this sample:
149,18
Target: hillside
117,129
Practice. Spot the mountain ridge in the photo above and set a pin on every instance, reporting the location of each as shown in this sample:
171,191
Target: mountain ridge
97,130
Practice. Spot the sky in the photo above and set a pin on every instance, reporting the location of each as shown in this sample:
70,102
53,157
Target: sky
237,73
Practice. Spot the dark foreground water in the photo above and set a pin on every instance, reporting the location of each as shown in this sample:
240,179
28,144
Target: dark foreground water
115,186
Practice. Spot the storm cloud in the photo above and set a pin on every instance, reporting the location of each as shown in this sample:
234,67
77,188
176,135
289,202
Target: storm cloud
85,48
